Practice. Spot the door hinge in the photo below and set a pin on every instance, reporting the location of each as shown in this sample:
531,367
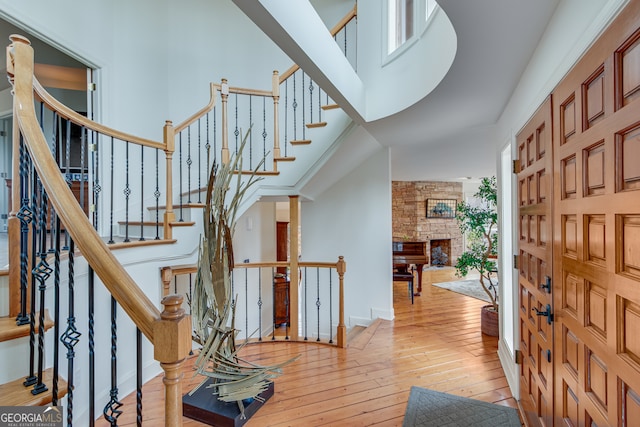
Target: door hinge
91,86
518,357
516,166
516,262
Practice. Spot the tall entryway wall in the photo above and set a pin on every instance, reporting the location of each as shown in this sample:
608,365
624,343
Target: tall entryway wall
579,231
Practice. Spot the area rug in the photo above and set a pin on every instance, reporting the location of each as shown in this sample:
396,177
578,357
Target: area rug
428,408
471,288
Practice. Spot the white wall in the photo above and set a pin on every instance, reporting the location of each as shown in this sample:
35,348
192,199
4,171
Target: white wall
353,218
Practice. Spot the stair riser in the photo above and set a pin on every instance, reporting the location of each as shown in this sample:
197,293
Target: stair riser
148,231
4,296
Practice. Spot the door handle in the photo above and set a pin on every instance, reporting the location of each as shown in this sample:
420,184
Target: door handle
546,285
547,313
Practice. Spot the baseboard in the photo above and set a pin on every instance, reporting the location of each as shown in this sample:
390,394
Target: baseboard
507,360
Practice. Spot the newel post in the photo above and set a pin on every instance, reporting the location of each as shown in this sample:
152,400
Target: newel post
169,135
341,268
171,346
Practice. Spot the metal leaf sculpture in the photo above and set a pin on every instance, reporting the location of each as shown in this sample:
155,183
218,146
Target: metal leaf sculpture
213,309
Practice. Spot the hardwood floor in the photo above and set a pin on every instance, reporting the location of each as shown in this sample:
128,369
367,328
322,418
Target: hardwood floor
435,343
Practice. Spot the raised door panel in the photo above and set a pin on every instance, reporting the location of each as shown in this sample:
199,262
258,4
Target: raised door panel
596,201
534,249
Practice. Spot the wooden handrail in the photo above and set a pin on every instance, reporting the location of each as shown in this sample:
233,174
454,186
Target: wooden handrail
67,113
124,289
335,30
204,110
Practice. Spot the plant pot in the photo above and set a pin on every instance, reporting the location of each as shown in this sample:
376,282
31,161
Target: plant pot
489,321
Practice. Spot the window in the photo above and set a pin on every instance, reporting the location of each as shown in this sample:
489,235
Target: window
400,25
403,23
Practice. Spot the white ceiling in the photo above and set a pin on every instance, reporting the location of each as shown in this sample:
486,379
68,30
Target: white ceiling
447,134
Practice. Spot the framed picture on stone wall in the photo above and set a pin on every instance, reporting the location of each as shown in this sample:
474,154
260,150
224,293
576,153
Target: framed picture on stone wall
441,208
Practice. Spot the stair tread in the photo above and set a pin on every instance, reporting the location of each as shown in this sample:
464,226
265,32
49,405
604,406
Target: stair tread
330,107
316,125
300,142
15,394
361,340
285,159
9,330
184,205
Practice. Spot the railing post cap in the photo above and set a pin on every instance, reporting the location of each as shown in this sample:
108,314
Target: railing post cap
172,307
17,38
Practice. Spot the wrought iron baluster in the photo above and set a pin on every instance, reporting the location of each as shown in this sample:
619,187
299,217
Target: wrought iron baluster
127,193
67,164
318,303
294,104
306,309
304,122
264,132
56,309
215,139
259,304
112,410
236,132
250,133
181,219
92,358
138,378
330,307
25,215
246,304
207,145
111,196
96,180
71,336
286,115
189,162
199,164
32,379
310,100
141,193
157,195
41,273
83,179
273,300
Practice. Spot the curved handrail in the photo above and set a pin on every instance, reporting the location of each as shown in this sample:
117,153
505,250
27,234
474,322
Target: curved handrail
335,30
204,110
123,288
67,113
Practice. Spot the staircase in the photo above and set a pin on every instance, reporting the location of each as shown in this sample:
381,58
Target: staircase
55,241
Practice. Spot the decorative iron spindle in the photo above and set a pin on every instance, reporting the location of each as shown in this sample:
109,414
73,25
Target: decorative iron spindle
189,162
111,191
207,146
304,122
259,304
127,193
25,215
141,193
181,219
67,168
318,303
319,104
310,100
199,165
91,336
264,132
294,104
32,378
56,309
71,336
250,133
306,310
286,115
246,304
273,308
41,273
95,154
138,378
83,165
236,132
330,307
157,195
53,146
112,410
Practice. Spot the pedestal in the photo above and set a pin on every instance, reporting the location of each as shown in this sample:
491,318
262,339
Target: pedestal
205,407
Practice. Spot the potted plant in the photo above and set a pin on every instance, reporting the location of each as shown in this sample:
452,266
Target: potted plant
479,220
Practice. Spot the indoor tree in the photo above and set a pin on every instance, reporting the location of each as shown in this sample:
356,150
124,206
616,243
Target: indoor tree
479,220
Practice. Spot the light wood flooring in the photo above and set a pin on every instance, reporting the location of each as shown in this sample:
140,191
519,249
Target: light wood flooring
435,343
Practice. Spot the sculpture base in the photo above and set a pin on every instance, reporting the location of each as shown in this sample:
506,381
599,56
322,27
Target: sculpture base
203,406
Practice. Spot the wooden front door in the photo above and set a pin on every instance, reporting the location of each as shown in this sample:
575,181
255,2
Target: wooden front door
597,231
535,189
